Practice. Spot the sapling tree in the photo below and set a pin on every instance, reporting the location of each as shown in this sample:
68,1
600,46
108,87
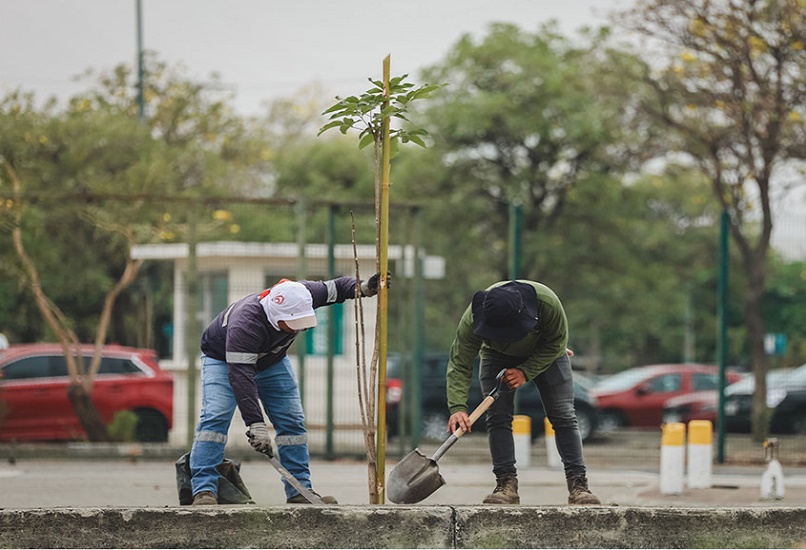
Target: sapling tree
370,114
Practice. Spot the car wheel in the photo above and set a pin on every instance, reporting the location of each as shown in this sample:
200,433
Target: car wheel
434,427
799,425
585,423
609,421
151,426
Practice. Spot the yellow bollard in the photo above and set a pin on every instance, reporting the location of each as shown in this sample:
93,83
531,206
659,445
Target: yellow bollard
522,434
672,458
552,455
700,442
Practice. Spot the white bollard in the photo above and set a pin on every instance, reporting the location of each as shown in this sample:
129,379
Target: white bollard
772,480
700,450
552,454
522,434
672,458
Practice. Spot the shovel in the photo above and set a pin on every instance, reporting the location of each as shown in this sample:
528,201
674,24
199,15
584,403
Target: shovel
416,476
304,491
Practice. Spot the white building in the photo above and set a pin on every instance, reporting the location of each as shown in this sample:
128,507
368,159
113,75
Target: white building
230,270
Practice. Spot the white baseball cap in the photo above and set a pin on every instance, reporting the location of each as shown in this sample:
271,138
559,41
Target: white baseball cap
292,302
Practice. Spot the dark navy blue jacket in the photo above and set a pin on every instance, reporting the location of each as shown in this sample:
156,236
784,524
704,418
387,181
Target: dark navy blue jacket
242,336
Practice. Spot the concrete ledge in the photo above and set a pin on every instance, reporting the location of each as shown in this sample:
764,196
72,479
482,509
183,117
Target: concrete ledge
630,527
403,527
228,527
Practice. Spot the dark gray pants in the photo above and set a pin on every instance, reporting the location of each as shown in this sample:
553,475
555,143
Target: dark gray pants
556,387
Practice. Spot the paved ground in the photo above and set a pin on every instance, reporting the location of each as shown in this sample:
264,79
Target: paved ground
42,483
623,470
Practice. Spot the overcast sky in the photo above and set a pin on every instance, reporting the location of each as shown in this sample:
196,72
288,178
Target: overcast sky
262,49
269,49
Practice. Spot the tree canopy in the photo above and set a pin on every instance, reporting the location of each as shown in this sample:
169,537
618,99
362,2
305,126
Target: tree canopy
727,80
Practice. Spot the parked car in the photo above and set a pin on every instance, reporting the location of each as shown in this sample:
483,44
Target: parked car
700,405
786,396
434,411
636,397
33,392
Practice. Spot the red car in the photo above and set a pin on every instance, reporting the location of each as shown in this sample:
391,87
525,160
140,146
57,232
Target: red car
700,405
33,392
636,397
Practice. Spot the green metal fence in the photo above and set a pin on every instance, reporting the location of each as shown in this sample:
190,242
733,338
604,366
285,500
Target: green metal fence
201,254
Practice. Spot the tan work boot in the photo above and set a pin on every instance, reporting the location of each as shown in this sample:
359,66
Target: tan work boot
299,499
505,492
204,498
578,492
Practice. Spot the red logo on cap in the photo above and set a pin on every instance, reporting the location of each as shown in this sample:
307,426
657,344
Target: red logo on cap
279,299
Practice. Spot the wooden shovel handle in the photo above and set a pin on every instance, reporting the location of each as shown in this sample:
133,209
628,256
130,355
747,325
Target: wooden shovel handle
475,415
477,412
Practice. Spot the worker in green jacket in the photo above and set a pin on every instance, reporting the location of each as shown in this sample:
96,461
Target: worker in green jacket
519,326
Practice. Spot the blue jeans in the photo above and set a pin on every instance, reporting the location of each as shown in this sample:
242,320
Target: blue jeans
556,387
279,394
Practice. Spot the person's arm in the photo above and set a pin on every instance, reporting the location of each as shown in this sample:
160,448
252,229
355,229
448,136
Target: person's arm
463,353
336,291
553,340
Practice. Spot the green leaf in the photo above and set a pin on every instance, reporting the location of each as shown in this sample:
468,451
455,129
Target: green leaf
328,126
395,81
336,107
416,139
367,140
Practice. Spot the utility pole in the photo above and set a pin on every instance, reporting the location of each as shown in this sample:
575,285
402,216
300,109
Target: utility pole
140,99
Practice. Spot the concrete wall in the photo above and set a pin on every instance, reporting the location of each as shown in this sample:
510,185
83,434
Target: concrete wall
404,527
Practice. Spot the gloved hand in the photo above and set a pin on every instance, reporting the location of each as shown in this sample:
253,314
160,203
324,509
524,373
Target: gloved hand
370,286
260,439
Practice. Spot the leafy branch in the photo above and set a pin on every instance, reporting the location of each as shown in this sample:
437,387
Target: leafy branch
366,113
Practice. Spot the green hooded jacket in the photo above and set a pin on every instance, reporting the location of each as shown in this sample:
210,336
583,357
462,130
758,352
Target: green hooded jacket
532,354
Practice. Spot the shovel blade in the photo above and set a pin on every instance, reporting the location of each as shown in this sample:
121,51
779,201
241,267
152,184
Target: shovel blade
414,478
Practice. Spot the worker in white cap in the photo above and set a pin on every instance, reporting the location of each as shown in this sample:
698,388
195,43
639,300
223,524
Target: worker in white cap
245,363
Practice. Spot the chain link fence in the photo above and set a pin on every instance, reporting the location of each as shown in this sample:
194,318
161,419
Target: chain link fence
217,250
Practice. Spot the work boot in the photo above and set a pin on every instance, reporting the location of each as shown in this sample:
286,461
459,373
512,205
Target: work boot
204,498
299,499
578,492
505,492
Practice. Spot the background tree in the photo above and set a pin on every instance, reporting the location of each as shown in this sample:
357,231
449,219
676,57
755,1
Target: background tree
785,307
65,153
521,122
116,174
727,79
634,265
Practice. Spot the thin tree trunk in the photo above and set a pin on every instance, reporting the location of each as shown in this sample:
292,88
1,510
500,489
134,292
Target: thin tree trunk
79,391
756,270
87,414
